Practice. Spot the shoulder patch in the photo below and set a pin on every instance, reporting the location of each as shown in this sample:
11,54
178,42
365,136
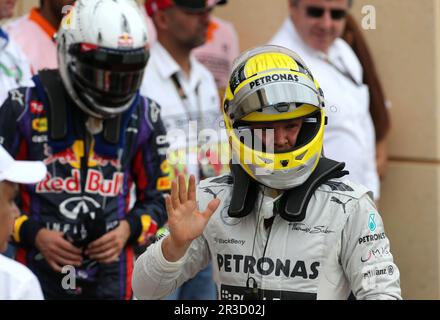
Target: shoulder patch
17,96
154,111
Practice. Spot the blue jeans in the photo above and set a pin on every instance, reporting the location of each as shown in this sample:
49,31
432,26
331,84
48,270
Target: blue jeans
201,287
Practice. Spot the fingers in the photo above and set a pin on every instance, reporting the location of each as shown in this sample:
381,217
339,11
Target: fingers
68,247
60,261
100,249
108,237
169,206
174,195
182,189
55,266
66,258
212,206
192,188
106,255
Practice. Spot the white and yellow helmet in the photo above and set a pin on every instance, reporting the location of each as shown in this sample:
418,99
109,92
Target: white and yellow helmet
267,84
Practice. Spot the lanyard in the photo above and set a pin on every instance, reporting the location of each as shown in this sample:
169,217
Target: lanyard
187,106
185,100
344,73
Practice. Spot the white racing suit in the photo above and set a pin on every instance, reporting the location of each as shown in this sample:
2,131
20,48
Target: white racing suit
340,247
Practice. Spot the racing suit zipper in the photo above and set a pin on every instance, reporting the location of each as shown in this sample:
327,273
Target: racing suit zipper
85,162
264,252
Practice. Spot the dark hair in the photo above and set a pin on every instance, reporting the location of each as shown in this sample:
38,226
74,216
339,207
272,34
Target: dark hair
295,2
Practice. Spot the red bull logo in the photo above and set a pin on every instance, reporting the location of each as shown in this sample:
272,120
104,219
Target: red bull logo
125,41
95,184
58,185
67,156
98,161
73,155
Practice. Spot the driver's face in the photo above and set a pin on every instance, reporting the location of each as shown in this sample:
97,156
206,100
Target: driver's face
282,135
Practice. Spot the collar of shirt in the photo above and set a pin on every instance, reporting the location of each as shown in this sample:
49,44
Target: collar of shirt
336,54
36,17
167,66
4,39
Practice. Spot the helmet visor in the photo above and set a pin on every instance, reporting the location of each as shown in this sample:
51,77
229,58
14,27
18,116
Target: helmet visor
110,77
279,97
252,136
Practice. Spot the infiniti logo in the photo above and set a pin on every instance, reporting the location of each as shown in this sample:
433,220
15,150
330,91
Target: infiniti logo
72,207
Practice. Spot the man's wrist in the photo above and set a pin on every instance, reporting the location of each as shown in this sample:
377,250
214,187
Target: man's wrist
172,251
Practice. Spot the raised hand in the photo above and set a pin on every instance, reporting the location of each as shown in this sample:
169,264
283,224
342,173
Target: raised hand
185,221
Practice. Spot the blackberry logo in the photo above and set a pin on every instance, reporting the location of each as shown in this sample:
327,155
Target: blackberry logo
226,295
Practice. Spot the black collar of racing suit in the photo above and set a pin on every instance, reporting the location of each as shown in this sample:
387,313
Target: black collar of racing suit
56,98
292,205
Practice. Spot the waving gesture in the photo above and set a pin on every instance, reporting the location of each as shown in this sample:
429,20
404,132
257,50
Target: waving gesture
185,221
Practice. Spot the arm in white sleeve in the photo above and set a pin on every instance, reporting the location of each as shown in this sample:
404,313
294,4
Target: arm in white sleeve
155,278
365,254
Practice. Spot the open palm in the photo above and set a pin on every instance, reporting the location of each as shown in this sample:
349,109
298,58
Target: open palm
185,221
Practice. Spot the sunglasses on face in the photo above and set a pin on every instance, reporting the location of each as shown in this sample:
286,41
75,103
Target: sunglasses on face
317,12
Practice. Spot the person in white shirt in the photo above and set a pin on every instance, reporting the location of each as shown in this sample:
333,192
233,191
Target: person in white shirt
14,67
313,30
187,94
17,282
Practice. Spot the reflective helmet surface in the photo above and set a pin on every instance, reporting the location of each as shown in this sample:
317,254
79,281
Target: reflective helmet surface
270,84
102,55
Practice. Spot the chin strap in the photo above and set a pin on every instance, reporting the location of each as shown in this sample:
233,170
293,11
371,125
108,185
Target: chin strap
292,205
112,129
56,102
244,193
55,96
